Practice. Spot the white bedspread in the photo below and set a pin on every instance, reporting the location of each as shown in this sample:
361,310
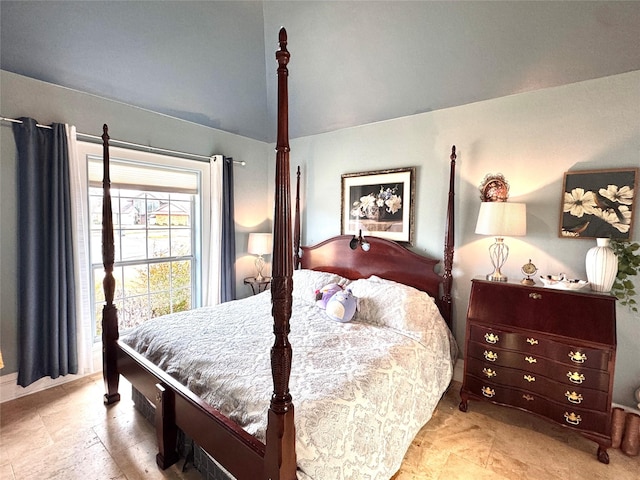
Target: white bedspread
361,391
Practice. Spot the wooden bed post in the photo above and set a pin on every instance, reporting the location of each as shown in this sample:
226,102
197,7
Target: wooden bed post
449,244
296,225
109,311
280,455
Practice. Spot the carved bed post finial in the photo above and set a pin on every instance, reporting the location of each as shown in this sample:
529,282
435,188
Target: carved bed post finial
282,56
449,243
109,312
280,456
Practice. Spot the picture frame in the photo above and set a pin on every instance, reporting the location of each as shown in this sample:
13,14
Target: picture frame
379,203
598,203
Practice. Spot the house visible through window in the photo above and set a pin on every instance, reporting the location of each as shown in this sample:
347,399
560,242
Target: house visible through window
157,225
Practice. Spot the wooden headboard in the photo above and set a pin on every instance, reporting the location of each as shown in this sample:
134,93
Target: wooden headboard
390,260
385,258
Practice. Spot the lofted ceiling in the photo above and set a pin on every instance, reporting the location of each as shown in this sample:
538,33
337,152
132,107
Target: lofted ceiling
352,63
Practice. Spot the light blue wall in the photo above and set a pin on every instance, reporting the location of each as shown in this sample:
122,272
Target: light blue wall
531,138
24,97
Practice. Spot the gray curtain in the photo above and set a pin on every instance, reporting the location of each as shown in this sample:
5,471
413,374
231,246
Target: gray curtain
46,287
228,244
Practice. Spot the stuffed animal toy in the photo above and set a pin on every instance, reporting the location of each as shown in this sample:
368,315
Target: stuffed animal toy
325,293
342,306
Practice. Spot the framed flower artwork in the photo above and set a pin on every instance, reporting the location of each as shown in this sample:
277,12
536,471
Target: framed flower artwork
599,203
379,203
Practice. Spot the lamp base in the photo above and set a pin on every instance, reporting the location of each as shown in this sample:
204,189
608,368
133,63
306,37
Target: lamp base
259,266
498,252
497,276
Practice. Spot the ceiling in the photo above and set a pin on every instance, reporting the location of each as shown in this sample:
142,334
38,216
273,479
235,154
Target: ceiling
352,63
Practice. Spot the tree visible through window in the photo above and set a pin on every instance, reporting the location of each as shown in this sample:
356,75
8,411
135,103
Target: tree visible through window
153,253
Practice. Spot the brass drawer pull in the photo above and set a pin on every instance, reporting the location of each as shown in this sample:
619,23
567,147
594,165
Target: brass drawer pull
575,377
531,360
528,398
529,378
573,397
489,373
532,341
491,338
488,392
572,418
577,357
490,356
535,296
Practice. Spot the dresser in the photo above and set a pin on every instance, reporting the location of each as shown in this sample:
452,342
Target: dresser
548,352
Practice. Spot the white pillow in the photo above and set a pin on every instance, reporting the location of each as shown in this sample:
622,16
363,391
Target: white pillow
307,282
391,304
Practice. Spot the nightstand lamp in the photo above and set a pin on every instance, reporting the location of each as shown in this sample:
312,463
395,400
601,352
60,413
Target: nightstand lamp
260,244
501,219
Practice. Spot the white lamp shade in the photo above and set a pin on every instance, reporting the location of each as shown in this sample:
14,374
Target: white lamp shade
502,219
260,243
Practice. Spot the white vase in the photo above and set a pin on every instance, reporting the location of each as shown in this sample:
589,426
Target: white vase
602,266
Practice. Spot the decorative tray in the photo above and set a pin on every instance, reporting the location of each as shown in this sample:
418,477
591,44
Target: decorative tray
561,282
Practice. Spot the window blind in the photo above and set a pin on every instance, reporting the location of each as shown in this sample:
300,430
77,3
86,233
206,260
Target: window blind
139,176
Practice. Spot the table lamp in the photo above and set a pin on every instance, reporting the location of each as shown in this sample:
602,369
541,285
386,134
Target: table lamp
501,219
260,244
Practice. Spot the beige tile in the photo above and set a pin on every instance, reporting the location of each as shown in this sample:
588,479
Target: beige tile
520,452
458,467
124,431
437,421
620,467
430,462
451,399
469,436
139,463
67,433
6,472
23,433
52,462
36,400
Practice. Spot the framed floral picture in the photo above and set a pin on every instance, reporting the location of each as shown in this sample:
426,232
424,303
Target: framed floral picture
379,203
599,203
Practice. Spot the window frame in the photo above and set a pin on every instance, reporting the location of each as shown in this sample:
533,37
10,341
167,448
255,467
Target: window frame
202,205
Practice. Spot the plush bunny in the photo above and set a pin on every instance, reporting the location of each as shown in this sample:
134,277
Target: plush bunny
342,306
325,293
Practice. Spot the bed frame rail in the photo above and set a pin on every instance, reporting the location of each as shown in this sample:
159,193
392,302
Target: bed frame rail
240,453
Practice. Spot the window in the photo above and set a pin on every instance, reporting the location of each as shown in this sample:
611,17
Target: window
159,230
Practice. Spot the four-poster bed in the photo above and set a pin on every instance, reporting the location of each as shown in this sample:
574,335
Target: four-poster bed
241,440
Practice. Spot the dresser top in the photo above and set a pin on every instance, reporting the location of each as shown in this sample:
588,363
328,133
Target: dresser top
586,316
540,286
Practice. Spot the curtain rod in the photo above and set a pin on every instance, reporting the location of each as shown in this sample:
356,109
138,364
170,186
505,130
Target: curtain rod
137,146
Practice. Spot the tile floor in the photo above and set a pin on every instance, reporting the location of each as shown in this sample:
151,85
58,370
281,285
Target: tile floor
66,433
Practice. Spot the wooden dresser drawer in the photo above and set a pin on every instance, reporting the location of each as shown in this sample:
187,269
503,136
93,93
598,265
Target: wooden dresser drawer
565,374
539,384
537,345
568,415
576,315
549,352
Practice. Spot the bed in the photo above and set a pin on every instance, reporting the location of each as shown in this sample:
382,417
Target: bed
341,373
